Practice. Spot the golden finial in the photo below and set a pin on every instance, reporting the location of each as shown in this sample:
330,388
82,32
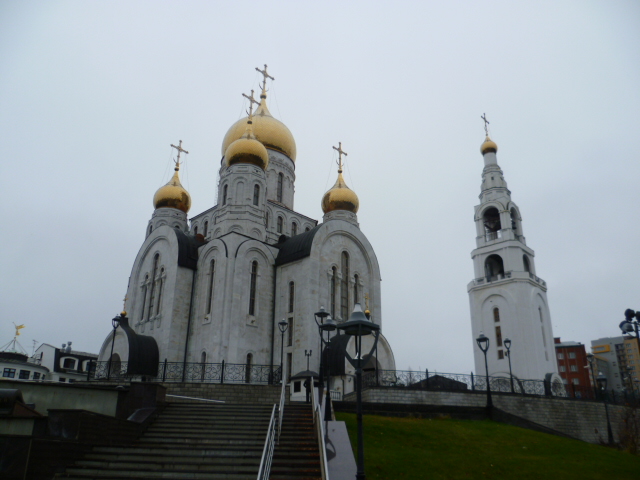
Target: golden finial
264,82
367,312
340,153
180,150
124,304
251,102
18,328
486,124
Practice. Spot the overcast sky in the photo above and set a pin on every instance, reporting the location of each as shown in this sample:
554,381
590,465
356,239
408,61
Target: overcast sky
93,93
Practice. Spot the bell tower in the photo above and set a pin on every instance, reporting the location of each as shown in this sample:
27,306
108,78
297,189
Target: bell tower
507,298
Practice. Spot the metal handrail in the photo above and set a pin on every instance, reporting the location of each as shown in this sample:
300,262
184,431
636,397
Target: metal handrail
317,420
269,444
281,407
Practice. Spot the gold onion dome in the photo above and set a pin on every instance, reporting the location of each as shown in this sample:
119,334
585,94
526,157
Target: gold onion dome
340,197
271,132
488,146
247,149
173,195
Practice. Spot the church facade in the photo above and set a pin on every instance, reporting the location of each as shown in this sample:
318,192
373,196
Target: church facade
214,287
507,298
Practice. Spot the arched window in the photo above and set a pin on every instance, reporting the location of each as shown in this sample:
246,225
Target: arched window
306,229
292,292
334,279
252,288
344,288
493,267
224,194
152,297
491,221
355,289
514,221
279,189
544,336
525,261
294,229
496,314
195,230
212,267
247,372
266,222
203,357
256,194
144,297
206,228
150,229
280,224
160,285
498,336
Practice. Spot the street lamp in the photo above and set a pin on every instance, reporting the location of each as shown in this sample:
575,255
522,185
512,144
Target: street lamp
591,359
631,323
115,322
308,355
507,344
602,383
483,343
282,326
325,324
359,326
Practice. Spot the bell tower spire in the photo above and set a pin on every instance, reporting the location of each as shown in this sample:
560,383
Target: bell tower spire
507,298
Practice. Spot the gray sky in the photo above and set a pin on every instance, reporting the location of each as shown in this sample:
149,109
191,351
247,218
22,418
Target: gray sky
93,93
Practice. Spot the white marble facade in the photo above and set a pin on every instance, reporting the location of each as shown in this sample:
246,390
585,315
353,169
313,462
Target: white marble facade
191,283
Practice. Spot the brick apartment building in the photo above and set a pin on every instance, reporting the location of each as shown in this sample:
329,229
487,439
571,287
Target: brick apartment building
573,367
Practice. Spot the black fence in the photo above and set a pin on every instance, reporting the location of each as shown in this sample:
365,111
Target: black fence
452,382
189,372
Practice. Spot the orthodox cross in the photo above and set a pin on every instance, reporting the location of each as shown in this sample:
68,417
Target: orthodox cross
124,301
180,150
366,301
340,153
486,123
251,102
264,82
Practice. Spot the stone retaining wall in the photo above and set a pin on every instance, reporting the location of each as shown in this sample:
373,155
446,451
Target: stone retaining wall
583,420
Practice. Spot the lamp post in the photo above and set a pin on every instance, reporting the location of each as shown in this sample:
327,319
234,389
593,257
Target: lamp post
359,326
507,344
325,324
602,383
591,359
282,326
115,322
308,355
483,343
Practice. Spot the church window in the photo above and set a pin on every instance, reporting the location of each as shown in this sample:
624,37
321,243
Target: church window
280,224
252,289
152,296
496,314
203,357
279,190
292,291
306,229
144,296
498,336
289,369
150,229
491,222
256,194
247,372
294,229
266,222
334,279
206,228
160,285
195,230
224,194
493,267
344,287
212,266
290,332
525,261
514,221
356,299
500,354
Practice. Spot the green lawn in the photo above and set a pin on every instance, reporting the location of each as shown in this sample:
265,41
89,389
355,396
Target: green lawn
410,448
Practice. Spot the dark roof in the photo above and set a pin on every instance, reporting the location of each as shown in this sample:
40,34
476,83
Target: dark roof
143,351
187,249
305,374
296,247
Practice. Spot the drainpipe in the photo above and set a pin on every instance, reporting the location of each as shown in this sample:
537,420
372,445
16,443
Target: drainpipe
273,324
186,341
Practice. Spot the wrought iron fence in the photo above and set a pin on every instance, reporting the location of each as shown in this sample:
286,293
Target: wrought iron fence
189,372
425,380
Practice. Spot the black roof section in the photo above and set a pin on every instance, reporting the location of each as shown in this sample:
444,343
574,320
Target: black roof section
295,248
187,249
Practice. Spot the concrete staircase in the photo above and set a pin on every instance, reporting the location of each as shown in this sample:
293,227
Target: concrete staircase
187,441
297,456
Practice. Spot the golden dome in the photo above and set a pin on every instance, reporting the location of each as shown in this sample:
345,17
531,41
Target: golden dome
173,195
271,132
340,197
488,146
247,149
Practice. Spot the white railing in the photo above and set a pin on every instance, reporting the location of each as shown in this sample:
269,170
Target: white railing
196,398
317,420
269,445
283,391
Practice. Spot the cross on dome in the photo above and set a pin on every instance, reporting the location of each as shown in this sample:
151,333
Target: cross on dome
180,150
340,153
251,102
486,123
264,81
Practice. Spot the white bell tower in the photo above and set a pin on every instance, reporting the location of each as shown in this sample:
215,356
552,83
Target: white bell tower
507,299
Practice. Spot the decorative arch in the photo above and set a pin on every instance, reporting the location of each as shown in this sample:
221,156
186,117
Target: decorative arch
494,267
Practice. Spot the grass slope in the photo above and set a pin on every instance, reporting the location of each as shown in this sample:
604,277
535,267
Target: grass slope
411,448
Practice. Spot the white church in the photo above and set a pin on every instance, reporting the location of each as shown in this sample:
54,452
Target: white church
214,287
